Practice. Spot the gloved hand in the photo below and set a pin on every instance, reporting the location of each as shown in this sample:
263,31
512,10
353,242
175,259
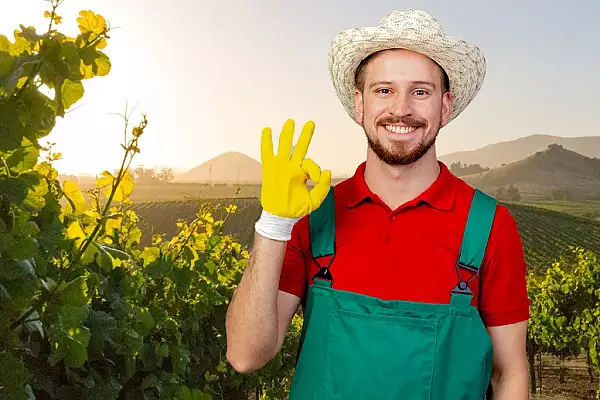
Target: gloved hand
285,197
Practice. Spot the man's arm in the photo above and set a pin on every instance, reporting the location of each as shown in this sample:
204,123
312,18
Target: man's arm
510,373
504,307
259,314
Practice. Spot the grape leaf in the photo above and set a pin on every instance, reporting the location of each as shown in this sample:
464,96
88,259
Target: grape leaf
71,93
106,179
144,321
11,129
71,347
72,316
75,232
74,293
7,63
90,22
4,43
122,192
23,246
102,65
150,381
33,324
162,350
29,33
102,326
24,158
72,191
47,171
13,188
4,295
12,270
13,376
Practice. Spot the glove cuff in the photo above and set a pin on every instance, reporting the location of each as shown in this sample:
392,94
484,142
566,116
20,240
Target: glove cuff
274,227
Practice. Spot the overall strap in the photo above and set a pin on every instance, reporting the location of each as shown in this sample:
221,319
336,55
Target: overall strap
474,242
321,223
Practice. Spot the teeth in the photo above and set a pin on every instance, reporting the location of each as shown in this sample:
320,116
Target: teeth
400,129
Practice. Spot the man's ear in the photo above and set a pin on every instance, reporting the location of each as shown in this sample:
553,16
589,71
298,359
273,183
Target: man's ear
446,107
358,107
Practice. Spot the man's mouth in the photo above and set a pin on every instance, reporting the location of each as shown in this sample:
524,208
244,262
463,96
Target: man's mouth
400,129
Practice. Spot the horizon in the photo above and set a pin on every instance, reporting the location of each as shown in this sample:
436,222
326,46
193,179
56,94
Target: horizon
181,66
178,173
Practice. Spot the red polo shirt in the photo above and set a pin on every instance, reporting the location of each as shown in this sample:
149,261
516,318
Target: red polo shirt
410,253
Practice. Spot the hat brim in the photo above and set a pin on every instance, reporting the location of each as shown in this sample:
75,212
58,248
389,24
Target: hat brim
464,63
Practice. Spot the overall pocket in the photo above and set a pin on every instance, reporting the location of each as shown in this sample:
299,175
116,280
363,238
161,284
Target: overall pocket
374,356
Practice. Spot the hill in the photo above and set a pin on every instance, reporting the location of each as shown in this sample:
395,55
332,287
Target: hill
546,234
231,167
494,155
554,170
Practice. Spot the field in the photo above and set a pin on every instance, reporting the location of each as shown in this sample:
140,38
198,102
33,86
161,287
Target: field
161,217
186,191
587,209
547,229
545,233
577,381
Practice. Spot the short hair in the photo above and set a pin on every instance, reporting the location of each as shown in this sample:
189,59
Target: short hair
359,76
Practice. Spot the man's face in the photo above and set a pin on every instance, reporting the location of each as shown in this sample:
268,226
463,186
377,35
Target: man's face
402,106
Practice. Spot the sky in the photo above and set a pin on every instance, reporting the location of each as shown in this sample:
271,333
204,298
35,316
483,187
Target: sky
211,74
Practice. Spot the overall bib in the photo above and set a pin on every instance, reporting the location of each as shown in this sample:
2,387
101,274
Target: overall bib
354,346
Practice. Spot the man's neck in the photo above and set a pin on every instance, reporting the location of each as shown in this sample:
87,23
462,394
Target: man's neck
396,185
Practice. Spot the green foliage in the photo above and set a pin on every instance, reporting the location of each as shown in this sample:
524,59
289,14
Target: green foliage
510,193
565,305
460,169
85,311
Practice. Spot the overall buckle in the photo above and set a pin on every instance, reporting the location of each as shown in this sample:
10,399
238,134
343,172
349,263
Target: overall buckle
463,286
324,272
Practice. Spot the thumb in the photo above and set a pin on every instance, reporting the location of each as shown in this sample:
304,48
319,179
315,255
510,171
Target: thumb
320,190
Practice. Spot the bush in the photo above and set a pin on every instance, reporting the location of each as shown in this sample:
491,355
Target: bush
85,311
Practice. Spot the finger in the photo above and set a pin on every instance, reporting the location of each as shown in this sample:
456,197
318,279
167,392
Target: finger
266,145
312,170
303,142
320,190
286,139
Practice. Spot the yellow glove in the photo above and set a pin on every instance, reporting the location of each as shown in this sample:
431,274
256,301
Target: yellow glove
284,192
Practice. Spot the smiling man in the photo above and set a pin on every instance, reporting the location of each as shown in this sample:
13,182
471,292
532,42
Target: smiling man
412,282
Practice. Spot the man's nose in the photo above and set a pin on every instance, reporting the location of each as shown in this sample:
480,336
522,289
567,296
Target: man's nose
401,106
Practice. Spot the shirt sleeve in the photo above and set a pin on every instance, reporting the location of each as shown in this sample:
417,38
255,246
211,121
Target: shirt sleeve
293,271
503,295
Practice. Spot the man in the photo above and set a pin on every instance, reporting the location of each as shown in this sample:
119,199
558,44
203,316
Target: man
412,283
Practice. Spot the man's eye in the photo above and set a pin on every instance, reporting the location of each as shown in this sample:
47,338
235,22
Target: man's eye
383,90
420,92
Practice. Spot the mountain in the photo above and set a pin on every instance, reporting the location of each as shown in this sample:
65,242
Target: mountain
494,155
230,167
551,170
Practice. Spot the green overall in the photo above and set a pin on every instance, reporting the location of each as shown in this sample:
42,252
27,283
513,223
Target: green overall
354,346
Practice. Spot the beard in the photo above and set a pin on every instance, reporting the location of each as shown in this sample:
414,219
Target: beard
402,153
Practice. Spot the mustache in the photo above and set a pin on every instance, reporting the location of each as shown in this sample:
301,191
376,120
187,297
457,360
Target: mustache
406,120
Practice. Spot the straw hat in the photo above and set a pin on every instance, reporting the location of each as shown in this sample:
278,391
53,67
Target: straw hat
414,30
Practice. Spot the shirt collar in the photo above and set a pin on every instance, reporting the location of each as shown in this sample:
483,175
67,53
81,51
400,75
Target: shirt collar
439,195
